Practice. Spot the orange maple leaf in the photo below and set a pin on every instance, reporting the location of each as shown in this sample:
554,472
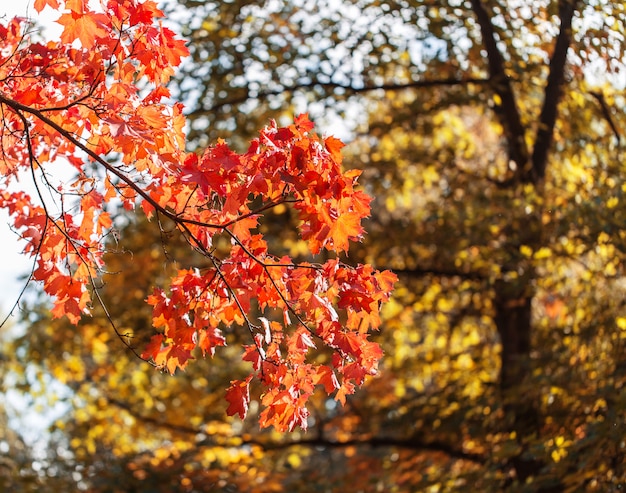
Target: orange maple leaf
39,5
326,377
334,146
84,27
345,228
153,348
303,124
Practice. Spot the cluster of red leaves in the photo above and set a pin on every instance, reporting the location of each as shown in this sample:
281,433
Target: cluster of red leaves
302,303
80,100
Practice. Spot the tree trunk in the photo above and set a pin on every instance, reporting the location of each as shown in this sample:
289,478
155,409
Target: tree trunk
512,318
513,322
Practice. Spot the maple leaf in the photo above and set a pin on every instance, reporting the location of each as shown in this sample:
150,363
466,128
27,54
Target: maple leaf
238,397
85,28
177,357
156,95
152,115
326,377
302,340
334,146
67,307
39,5
385,280
71,298
153,348
303,124
346,388
209,339
173,49
284,410
252,354
345,228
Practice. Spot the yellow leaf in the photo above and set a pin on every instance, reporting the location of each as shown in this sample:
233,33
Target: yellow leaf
542,253
526,251
430,176
294,460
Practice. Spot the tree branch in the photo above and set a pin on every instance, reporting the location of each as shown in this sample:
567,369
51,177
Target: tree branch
506,111
374,442
345,87
418,272
553,92
607,114
19,107
153,421
410,443
130,182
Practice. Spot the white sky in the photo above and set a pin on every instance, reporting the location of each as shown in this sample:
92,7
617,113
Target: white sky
12,263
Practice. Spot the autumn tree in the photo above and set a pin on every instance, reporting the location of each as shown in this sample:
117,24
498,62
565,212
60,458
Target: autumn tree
97,99
492,147
504,341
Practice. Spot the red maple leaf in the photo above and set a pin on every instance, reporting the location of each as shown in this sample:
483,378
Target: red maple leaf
238,396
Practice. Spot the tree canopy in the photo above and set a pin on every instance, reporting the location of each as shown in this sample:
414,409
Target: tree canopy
490,135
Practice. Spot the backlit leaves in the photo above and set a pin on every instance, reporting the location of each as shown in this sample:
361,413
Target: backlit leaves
96,100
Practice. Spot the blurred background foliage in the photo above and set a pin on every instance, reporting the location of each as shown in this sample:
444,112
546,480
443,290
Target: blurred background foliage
505,342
